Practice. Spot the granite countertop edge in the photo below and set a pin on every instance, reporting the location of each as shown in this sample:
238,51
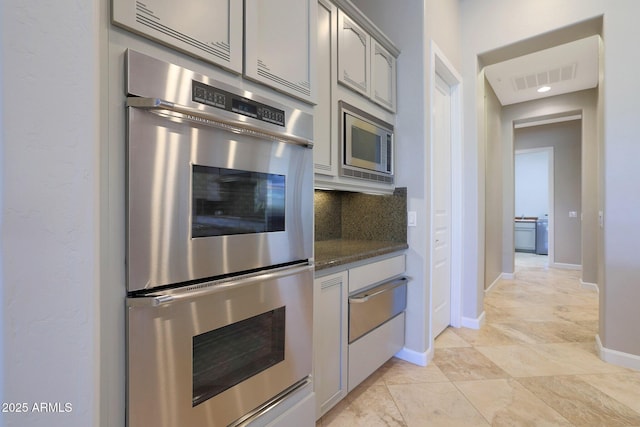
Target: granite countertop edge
360,250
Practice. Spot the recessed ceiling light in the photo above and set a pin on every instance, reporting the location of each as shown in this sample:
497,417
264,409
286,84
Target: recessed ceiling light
543,89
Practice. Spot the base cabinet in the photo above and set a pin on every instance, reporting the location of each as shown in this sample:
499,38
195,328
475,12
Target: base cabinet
525,236
338,366
330,340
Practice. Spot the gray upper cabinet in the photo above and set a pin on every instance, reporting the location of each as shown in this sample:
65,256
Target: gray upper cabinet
325,153
366,58
280,45
210,30
353,55
383,76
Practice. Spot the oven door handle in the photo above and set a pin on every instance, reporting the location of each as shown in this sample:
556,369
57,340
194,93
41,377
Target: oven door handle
377,290
197,291
200,116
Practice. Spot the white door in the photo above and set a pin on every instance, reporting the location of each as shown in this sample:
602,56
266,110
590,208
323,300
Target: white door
441,199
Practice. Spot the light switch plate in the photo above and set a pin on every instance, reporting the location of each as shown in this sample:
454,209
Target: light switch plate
412,219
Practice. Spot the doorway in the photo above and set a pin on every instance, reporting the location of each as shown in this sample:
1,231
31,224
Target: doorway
534,201
564,141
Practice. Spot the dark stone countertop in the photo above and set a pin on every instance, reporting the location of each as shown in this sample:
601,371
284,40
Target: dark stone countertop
332,253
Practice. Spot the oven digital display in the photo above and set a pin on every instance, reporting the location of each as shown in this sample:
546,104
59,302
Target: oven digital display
245,108
224,100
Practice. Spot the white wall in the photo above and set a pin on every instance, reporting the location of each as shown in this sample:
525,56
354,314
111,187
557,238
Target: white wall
489,25
532,183
50,209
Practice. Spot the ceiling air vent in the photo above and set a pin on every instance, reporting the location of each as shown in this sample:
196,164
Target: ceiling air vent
532,81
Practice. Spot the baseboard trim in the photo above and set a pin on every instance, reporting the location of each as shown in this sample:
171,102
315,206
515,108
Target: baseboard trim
566,266
615,357
486,291
505,276
415,357
473,323
589,286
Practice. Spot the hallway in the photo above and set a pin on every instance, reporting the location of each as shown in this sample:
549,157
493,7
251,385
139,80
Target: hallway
533,363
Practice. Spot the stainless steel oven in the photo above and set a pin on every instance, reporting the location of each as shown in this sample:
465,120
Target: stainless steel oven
219,180
219,249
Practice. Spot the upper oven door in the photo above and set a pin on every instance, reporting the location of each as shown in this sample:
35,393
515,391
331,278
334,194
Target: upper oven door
204,201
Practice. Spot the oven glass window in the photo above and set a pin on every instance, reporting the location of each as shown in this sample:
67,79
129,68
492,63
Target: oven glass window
365,145
229,355
231,201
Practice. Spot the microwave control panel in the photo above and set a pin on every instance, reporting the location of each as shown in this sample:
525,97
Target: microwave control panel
219,98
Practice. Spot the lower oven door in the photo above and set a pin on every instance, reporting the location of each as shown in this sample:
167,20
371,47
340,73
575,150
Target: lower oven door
212,355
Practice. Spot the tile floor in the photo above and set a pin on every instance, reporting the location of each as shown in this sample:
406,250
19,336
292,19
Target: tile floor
533,363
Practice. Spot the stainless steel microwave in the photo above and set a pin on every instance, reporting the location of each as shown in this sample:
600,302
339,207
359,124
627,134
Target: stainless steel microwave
367,145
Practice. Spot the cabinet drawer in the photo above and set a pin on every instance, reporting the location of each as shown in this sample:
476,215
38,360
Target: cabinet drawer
367,275
374,349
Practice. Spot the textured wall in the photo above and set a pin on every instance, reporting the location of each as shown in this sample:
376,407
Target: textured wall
50,217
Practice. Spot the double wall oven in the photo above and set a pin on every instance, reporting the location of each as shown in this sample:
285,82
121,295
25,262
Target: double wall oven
219,249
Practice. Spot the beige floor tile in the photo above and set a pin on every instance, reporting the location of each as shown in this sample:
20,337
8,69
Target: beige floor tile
435,405
487,335
625,388
577,313
557,331
505,402
400,372
365,407
448,338
464,364
581,403
547,359
529,312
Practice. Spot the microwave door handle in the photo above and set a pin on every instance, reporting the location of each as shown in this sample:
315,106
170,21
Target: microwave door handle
200,116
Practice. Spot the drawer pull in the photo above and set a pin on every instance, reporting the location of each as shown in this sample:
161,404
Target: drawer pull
378,290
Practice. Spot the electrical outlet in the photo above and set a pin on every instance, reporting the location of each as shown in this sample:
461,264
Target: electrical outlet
573,214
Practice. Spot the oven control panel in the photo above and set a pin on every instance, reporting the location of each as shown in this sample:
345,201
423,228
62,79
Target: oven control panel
219,98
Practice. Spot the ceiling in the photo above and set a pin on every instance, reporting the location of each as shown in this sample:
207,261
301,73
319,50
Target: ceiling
564,68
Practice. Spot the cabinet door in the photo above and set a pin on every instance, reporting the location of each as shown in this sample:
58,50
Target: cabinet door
280,45
383,77
330,340
210,30
325,154
353,55
525,237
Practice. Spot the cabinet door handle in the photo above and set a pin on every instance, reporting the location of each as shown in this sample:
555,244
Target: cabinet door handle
378,290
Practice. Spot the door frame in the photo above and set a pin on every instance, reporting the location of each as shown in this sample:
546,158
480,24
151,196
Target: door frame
441,66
